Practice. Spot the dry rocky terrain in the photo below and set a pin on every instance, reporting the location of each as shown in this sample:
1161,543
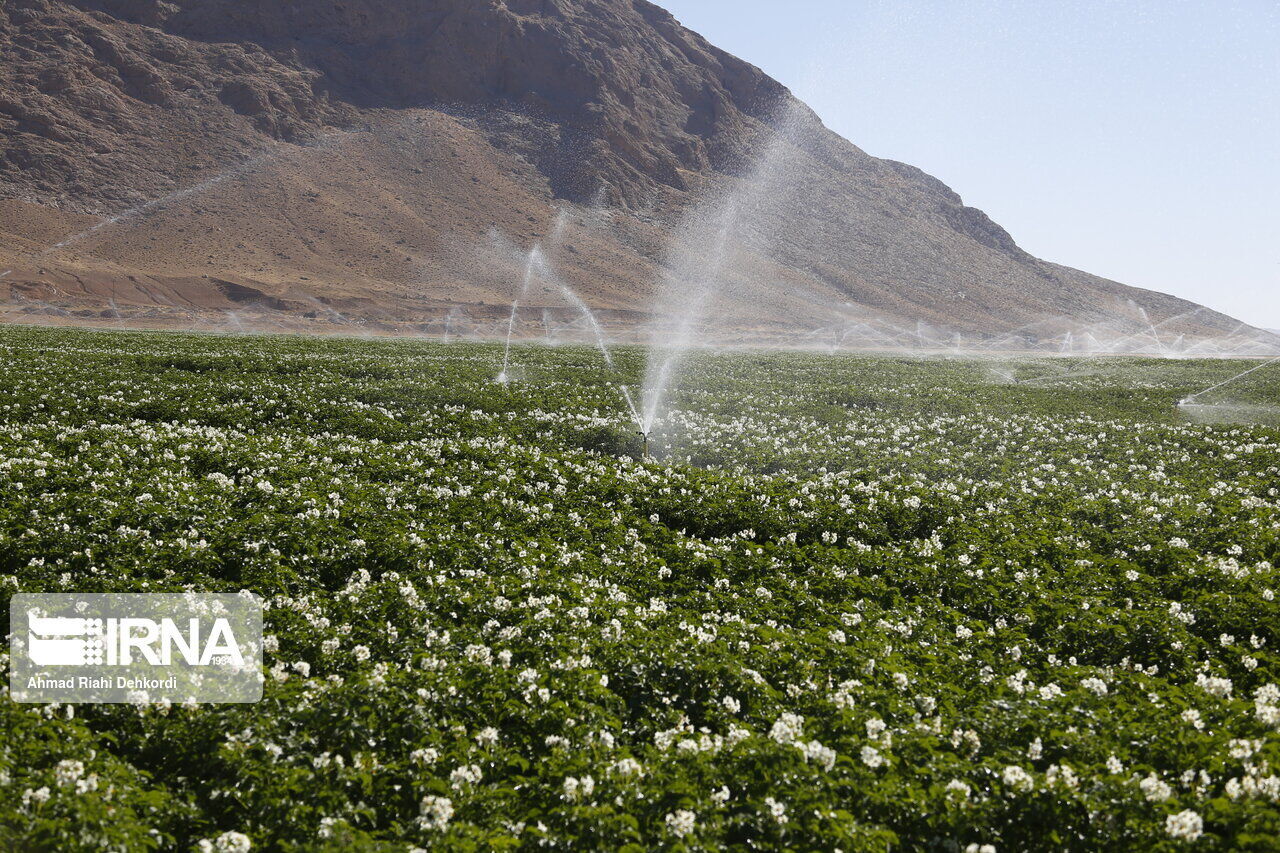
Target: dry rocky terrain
383,163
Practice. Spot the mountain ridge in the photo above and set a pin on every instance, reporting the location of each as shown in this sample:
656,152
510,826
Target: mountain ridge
460,119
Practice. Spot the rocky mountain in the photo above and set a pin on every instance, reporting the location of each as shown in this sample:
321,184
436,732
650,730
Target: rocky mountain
387,163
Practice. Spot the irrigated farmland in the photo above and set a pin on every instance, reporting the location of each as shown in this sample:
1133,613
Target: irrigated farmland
849,602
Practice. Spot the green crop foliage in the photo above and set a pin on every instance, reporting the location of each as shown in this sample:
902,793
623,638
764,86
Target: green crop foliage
855,603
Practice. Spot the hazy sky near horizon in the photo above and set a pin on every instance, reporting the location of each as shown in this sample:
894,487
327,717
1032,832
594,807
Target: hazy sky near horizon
1134,139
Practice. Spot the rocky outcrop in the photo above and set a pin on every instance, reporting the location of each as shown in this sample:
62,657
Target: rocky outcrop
642,99
106,104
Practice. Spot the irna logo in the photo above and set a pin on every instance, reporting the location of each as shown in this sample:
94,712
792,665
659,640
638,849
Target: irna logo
75,641
136,648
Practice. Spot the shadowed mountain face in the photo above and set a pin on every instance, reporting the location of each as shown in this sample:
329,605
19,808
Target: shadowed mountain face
357,158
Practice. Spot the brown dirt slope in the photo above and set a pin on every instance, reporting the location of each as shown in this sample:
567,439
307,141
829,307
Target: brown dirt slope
384,162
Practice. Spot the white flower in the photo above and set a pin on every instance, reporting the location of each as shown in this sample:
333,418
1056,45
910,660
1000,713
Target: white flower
424,756
468,774
1017,779
38,796
843,695
1061,774
872,757
1050,691
1095,685
1155,789
819,754
1114,766
361,653
776,809
1184,826
681,822
628,768
479,654
435,812
958,790
721,796
67,772
577,789
1266,701
232,842
789,728
1220,687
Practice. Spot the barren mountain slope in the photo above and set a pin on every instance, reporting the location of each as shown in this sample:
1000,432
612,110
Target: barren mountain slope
386,162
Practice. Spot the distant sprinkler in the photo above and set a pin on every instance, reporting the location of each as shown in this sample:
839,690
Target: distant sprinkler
644,437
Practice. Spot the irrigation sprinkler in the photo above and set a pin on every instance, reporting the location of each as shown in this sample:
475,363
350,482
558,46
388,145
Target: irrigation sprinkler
1191,401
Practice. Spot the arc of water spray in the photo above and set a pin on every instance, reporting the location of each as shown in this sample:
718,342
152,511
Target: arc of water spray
635,413
657,382
535,259
134,212
534,254
537,263
335,316
576,301
1190,400
1146,318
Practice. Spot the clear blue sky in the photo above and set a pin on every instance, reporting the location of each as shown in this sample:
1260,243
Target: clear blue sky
1134,139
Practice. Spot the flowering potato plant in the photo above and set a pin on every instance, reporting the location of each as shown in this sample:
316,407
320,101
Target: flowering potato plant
851,603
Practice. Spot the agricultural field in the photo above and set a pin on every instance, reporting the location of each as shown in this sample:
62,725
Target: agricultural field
851,602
